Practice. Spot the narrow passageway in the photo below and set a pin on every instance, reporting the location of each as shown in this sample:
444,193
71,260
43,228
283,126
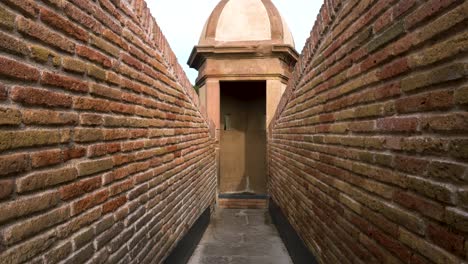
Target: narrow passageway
237,236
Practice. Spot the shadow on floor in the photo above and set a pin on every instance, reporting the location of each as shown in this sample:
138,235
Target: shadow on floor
241,236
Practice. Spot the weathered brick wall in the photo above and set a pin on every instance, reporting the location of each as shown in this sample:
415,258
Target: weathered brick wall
104,155
369,148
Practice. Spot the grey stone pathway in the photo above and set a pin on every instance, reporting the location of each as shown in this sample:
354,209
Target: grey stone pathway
241,237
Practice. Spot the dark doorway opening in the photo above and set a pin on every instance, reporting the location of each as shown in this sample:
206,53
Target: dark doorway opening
243,138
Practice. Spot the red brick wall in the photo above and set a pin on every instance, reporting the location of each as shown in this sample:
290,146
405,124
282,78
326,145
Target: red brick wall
104,155
369,148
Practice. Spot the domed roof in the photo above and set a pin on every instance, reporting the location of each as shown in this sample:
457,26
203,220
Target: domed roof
246,21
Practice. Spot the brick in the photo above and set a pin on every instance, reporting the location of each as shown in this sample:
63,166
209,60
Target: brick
13,45
459,148
45,117
74,65
106,20
121,187
65,82
383,159
18,70
7,18
27,7
403,7
425,145
442,24
387,36
10,117
113,204
393,69
27,205
84,103
89,201
393,124
46,158
32,138
463,197
383,21
105,46
6,188
88,135
426,11
108,235
461,96
26,251
42,180
34,225
446,171
452,123
116,39
60,252
84,5
446,239
130,109
83,237
131,61
79,188
440,51
466,248
44,55
82,18
113,78
435,76
96,72
457,218
33,96
60,4
426,102
413,125
435,190
93,55
78,222
95,166
418,203
105,91
56,21
104,224
411,165
91,120
426,249
404,218
104,149
110,8
73,153
16,163
100,257
82,255
3,92
39,32
368,111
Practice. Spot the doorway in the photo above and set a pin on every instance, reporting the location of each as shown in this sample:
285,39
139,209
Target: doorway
243,138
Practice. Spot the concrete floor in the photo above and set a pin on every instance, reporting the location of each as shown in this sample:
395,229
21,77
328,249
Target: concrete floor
241,237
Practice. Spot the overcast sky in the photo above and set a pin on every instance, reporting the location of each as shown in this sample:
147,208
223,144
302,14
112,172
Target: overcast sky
182,22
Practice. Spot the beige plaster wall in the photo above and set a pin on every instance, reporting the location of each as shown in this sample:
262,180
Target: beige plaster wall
243,20
241,67
275,90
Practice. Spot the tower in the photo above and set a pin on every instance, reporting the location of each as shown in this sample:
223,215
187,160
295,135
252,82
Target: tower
244,57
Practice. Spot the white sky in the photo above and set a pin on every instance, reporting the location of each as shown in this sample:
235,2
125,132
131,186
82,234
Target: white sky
182,22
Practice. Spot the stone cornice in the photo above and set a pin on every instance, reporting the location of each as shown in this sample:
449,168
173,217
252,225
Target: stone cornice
242,50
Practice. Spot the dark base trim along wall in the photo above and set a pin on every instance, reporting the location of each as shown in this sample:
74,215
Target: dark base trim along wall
298,251
185,248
